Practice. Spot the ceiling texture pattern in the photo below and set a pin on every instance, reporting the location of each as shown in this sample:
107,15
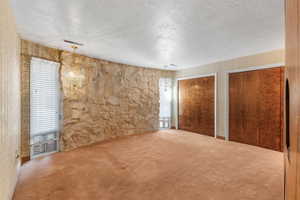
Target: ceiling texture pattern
155,33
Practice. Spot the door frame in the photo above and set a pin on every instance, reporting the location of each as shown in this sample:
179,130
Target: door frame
227,89
215,75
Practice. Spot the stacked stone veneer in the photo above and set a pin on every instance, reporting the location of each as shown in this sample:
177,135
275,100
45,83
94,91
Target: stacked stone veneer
100,99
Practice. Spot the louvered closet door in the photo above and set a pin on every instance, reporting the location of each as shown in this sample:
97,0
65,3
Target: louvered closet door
44,106
196,105
256,107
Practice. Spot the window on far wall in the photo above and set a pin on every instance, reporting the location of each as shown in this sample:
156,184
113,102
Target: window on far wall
44,106
165,91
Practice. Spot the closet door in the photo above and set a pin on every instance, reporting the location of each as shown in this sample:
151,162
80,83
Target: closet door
196,105
255,107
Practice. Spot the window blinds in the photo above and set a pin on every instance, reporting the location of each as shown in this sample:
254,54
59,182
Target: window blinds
44,97
165,90
165,93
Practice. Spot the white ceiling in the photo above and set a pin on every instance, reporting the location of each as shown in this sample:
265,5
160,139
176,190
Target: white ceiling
155,33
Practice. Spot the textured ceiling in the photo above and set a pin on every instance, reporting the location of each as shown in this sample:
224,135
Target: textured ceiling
155,33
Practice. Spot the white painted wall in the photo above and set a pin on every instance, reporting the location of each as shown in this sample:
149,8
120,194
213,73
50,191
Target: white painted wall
259,60
9,101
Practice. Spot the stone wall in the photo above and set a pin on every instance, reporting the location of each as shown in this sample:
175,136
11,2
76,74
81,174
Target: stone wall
100,99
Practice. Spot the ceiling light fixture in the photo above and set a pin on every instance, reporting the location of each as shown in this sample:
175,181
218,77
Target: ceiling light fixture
73,43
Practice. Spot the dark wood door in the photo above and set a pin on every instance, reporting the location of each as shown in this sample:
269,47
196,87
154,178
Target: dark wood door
196,105
256,107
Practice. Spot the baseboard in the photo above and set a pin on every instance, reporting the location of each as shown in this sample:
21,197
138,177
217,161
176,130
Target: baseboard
220,137
25,159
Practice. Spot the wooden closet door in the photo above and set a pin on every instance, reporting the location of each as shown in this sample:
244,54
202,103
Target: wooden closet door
271,93
243,109
255,107
196,105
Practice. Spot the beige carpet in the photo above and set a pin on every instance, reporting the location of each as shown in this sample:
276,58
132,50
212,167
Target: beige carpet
167,165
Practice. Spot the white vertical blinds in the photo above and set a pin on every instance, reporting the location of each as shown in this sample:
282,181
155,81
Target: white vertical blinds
165,90
44,96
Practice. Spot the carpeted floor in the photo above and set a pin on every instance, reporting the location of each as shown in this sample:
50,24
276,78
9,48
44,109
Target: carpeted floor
167,165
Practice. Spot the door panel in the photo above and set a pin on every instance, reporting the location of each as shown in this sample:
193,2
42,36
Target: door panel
291,153
196,105
271,109
255,108
242,111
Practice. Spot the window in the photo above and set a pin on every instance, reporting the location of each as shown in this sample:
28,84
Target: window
165,90
44,106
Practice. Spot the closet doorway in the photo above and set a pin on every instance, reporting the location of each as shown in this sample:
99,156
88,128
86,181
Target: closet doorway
196,104
256,107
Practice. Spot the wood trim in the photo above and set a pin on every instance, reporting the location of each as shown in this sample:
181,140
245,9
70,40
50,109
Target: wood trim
220,137
291,152
282,94
25,160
